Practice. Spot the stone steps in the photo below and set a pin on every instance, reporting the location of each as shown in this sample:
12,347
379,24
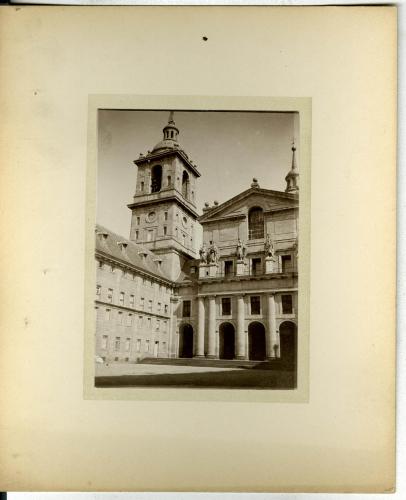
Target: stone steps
217,363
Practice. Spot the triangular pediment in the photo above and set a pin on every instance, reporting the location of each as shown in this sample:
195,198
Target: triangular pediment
239,205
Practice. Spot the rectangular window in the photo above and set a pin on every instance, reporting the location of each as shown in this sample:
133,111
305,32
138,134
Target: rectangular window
127,344
100,264
117,344
120,318
228,268
164,346
138,345
131,300
107,315
149,323
255,304
129,320
150,305
159,306
158,324
286,263
186,309
137,234
110,295
126,359
105,340
166,215
166,308
165,326
138,220
256,265
165,230
147,345
287,306
142,302
140,321
121,299
142,186
98,290
169,180
150,234
226,306
116,358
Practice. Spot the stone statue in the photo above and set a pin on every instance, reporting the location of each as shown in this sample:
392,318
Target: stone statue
213,253
241,249
268,246
203,254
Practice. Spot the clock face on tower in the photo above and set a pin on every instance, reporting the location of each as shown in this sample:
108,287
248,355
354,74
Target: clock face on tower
151,216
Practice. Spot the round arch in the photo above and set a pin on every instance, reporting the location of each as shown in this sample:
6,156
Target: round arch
186,340
256,341
288,341
226,341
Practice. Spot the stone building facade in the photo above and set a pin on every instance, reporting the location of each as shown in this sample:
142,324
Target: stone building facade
236,298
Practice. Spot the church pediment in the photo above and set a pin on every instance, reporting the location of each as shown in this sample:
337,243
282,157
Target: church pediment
239,206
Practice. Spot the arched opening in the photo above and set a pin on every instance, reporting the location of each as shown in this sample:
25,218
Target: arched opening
288,342
185,184
156,178
226,341
256,341
255,223
186,341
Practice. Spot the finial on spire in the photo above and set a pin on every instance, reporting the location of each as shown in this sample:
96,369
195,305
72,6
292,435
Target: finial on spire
292,179
171,120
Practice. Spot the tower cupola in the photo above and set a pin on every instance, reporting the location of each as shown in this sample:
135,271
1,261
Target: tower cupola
170,138
292,179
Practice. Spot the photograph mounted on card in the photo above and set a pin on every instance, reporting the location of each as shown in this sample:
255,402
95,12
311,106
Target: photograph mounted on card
185,294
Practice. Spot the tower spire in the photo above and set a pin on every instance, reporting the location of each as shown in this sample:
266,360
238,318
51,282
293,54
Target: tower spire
292,179
171,121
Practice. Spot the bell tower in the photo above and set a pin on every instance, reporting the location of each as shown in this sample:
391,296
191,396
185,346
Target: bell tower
163,209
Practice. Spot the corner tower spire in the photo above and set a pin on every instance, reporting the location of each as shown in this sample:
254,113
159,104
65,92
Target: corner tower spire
292,179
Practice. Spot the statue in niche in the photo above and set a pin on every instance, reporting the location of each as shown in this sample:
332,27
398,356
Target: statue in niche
203,254
269,247
213,253
241,250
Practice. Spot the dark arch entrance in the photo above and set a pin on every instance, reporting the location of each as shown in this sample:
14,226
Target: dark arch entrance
227,341
186,341
288,342
256,341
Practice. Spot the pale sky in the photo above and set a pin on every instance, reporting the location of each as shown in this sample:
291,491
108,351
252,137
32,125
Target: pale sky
229,149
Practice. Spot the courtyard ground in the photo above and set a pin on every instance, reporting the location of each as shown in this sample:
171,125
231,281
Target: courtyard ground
152,375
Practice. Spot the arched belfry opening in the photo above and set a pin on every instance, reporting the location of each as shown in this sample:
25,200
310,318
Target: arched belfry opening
256,341
255,223
156,178
185,184
226,341
186,341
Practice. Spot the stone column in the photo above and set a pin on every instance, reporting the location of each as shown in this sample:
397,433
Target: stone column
240,354
212,327
271,337
200,328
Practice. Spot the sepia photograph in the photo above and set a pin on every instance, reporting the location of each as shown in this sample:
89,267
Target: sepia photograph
197,249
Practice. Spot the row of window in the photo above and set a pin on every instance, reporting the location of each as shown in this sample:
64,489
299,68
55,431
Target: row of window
131,300
141,322
118,343
255,305
134,276
150,235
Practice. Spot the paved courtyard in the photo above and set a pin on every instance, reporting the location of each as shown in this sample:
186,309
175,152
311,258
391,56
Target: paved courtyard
151,375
